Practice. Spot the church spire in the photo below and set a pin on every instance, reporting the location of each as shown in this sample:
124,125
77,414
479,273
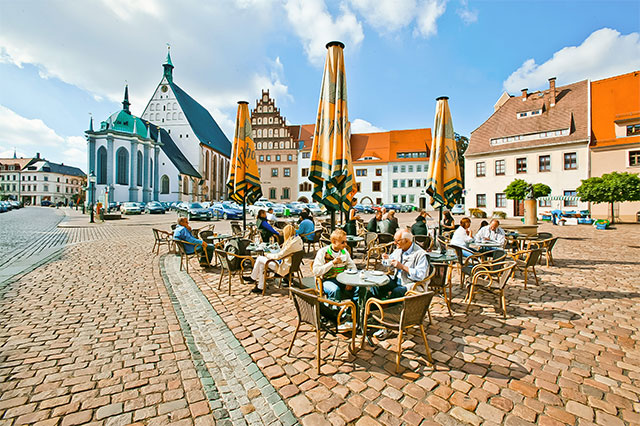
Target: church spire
14,154
168,66
90,123
126,103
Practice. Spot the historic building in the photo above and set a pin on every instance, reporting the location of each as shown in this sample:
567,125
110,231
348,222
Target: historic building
276,150
175,152
541,137
389,167
34,180
615,138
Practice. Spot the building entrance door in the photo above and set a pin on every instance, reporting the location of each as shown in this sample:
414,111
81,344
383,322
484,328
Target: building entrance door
423,202
518,207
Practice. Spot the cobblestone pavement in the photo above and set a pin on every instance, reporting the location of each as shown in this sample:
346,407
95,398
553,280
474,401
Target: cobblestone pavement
108,334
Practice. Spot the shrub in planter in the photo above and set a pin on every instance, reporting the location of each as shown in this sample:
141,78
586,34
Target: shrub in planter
477,213
500,214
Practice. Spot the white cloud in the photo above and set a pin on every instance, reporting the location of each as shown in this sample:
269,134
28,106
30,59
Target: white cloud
362,126
315,27
29,136
428,13
394,15
467,15
604,53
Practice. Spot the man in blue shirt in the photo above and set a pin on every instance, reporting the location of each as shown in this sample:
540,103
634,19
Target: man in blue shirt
183,233
306,227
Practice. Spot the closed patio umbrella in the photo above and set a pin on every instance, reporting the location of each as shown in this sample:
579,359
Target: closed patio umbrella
331,166
244,181
444,183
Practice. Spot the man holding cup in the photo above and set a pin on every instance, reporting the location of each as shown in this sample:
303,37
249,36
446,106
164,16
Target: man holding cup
331,261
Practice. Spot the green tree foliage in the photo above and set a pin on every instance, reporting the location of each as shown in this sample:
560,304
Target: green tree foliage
610,188
517,190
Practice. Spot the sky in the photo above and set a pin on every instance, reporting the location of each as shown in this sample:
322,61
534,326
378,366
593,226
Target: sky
62,61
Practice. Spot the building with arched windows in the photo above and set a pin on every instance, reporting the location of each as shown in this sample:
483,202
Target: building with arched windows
174,152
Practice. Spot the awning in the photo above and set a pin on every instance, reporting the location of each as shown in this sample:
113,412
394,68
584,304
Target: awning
560,198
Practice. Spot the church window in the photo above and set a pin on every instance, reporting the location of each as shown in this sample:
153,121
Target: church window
287,145
259,120
179,116
270,133
122,166
270,109
175,115
164,107
265,98
102,165
270,120
281,145
259,109
151,173
168,116
187,135
253,133
259,133
206,163
175,106
139,171
270,145
164,184
157,116
253,121
151,107
259,145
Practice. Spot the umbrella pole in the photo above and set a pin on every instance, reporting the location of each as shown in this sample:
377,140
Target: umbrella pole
244,213
440,221
333,220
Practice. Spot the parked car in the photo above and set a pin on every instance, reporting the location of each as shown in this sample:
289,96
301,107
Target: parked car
154,207
316,209
265,205
46,203
195,211
227,211
294,208
130,208
362,208
458,209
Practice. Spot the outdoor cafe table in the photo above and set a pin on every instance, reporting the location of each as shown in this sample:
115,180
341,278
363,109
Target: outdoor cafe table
369,279
448,258
262,248
218,237
485,244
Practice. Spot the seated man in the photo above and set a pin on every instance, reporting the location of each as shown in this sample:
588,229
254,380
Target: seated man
420,227
492,232
374,222
270,216
329,262
306,227
183,233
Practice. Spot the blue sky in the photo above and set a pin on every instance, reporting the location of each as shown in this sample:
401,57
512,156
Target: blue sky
60,61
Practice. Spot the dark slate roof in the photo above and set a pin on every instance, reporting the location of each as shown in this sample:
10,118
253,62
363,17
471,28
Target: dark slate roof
203,125
173,152
65,170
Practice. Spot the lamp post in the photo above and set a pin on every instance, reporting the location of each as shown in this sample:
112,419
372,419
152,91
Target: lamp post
92,188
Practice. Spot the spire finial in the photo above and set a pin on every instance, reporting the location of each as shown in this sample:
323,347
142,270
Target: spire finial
168,65
90,122
125,102
14,153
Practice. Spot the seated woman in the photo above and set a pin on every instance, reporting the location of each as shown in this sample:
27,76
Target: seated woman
448,222
390,224
292,244
463,236
420,227
265,229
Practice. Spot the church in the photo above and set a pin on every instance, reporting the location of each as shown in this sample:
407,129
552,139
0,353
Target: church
175,152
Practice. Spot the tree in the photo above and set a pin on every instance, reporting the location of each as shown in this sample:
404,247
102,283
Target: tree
517,190
610,188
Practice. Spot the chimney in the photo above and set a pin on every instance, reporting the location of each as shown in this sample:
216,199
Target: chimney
552,91
524,94
38,155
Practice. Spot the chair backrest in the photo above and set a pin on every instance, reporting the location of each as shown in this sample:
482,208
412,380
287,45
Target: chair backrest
205,234
236,229
458,251
181,248
369,238
415,308
296,260
307,307
223,258
532,257
505,272
442,241
498,272
439,278
423,241
173,226
156,235
552,242
544,235
385,238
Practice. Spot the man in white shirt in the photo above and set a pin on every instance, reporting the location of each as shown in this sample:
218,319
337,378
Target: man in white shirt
270,216
492,232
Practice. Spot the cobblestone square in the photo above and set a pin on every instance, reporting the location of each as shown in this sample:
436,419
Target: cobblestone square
104,332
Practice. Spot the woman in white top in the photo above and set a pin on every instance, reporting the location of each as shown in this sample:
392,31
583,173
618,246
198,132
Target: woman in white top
292,244
463,236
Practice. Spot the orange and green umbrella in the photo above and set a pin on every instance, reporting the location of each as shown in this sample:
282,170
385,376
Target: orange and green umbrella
244,180
331,166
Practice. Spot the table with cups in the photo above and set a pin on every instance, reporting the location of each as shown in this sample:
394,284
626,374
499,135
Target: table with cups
364,280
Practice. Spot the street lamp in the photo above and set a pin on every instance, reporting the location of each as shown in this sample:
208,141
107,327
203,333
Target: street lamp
92,188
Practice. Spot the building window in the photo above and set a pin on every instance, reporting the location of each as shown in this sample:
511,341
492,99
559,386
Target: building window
500,167
305,172
481,200
122,166
268,158
403,198
410,183
545,202
46,178
570,203
274,172
544,163
306,155
395,183
287,172
289,157
361,172
481,169
501,200
139,167
378,172
259,145
395,169
395,198
101,166
402,183
419,168
410,168
570,161
521,165
44,187
277,157
375,186
633,129
358,187
272,193
164,184
403,169
634,158
185,185
418,182
262,158
285,193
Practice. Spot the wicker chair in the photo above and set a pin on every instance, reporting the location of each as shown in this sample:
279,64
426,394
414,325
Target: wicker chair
526,259
294,270
374,254
547,249
481,257
184,256
313,242
160,238
492,278
307,304
423,241
236,229
438,284
225,258
385,238
205,234
399,315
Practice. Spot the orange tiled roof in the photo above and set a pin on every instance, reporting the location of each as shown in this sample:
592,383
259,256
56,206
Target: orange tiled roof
615,99
22,162
570,111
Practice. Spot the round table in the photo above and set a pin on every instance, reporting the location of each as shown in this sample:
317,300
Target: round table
486,245
219,237
261,248
368,281
448,258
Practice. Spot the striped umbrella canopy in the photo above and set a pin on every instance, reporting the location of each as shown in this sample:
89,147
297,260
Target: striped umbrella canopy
444,183
560,198
244,181
331,165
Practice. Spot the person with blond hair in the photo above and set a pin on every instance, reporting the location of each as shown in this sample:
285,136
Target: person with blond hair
330,261
292,244
462,236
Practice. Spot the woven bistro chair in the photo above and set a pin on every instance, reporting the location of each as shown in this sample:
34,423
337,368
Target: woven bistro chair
384,238
526,259
236,230
160,238
492,278
423,241
294,270
481,257
204,235
547,249
399,315
228,268
438,284
307,304
185,257
314,242
374,254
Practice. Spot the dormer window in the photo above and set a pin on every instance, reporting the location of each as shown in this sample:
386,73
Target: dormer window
525,114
